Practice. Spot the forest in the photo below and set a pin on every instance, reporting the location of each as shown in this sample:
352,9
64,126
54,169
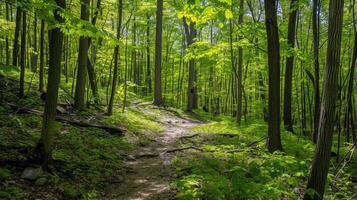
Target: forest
178,99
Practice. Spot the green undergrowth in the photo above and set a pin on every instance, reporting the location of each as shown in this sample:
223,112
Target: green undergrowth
84,159
236,165
137,120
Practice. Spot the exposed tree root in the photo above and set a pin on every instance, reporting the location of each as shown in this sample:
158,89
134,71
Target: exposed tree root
183,148
189,136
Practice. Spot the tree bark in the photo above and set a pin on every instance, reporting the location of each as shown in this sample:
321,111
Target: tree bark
321,162
316,38
15,50
7,53
42,53
158,101
34,45
148,66
240,69
116,60
90,63
274,140
191,34
79,96
349,119
44,147
288,121
23,54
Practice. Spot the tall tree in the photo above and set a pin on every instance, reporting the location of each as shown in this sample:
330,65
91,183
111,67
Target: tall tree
91,62
7,38
79,97
320,164
288,121
23,56
316,39
191,34
240,68
271,22
34,45
116,59
158,55
148,60
15,49
42,54
349,118
44,146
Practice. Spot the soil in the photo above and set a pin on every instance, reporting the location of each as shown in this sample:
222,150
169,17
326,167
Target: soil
149,168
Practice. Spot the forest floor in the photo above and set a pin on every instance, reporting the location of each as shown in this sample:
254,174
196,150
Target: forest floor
162,154
150,166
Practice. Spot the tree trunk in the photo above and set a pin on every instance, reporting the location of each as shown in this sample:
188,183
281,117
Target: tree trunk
288,121
44,147
191,34
148,66
7,53
240,69
349,119
34,45
79,96
273,141
316,33
90,63
42,53
116,60
320,164
23,54
158,55
15,50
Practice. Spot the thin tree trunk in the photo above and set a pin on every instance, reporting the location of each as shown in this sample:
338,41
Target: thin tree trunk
23,54
288,121
79,96
148,66
316,33
15,50
34,53
90,63
240,69
42,53
7,53
191,34
274,140
44,147
116,60
320,164
349,121
158,101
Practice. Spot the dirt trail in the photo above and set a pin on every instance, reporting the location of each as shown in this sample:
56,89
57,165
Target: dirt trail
149,169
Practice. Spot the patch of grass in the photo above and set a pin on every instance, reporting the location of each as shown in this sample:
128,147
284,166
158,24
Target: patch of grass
137,121
251,172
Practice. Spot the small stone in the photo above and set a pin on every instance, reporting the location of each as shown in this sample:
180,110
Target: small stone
131,157
31,173
41,181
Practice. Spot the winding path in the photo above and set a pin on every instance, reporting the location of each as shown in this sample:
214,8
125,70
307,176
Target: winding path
149,168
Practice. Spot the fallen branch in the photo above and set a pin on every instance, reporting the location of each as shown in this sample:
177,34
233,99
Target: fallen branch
228,134
110,129
183,148
256,142
234,150
188,136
